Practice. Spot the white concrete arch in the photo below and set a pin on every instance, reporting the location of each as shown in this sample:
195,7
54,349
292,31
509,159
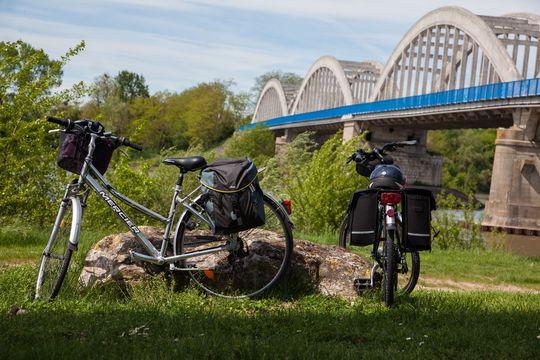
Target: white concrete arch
324,90
500,64
272,102
532,18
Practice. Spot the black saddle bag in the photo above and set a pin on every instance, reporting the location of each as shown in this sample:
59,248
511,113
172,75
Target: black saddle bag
417,207
363,216
233,197
74,148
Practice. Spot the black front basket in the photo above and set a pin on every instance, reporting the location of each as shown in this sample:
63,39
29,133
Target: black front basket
74,148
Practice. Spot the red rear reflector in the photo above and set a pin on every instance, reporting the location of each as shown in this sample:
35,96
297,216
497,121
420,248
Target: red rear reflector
391,198
288,206
390,212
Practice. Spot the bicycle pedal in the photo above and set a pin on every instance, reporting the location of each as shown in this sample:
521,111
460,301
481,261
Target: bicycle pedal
362,284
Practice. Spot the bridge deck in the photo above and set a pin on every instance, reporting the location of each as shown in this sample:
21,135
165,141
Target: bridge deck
407,111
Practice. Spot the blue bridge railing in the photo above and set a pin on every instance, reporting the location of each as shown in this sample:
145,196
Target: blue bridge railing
497,91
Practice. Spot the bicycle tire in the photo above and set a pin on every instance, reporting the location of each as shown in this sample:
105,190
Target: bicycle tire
343,232
51,274
415,273
205,282
389,277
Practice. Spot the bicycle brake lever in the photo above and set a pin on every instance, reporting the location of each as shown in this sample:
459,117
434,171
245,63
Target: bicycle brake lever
123,152
55,131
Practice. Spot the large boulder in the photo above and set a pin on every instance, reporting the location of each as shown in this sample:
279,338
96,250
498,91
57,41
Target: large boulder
327,269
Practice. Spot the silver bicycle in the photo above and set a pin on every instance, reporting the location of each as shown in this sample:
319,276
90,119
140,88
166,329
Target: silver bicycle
243,264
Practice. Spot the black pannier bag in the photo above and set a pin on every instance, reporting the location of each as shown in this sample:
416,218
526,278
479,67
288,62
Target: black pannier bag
233,197
363,210
74,148
417,207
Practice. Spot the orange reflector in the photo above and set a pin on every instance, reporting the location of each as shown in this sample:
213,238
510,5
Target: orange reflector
209,274
62,223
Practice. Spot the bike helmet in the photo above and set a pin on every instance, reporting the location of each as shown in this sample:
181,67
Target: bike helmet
386,176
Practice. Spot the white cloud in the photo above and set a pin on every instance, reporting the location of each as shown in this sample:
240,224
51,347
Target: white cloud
158,38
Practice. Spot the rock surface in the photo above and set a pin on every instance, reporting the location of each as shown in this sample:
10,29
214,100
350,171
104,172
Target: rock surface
327,269
110,260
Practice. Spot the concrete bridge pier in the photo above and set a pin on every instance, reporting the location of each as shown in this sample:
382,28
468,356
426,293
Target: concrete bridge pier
514,198
420,167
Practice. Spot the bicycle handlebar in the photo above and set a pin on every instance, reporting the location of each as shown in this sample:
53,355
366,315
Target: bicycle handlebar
61,122
378,153
89,126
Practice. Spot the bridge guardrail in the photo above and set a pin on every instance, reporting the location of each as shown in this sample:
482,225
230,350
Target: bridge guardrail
489,92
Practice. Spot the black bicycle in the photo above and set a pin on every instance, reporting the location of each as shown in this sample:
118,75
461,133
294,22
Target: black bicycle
394,219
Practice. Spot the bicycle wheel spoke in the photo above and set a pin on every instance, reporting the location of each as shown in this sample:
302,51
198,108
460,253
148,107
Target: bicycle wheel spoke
255,260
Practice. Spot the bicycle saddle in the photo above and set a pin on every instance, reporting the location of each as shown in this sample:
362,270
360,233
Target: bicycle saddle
185,164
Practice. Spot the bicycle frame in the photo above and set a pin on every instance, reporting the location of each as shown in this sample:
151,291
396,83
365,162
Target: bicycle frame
97,182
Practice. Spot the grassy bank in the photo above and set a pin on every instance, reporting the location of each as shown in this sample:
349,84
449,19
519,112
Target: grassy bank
152,321
493,267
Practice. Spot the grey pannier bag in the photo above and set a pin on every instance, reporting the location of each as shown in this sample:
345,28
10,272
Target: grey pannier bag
233,197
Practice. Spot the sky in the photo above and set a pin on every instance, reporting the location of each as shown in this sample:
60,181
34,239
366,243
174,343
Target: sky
177,44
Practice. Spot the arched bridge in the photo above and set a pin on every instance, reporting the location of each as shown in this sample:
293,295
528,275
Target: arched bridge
452,69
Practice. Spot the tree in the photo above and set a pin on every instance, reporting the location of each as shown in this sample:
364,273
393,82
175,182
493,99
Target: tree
212,112
103,88
28,173
468,157
130,85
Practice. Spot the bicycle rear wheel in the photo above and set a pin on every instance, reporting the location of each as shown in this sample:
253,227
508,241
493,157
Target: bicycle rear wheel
258,260
344,232
390,275
407,273
57,254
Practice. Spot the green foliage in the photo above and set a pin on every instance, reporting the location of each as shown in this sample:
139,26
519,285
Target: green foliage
204,114
134,182
28,176
258,144
210,116
321,190
468,157
146,181
286,164
130,85
456,225
157,123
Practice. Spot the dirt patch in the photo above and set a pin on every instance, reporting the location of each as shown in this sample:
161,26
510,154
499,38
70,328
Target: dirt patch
453,285
16,262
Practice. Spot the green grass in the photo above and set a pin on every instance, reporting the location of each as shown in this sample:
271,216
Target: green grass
151,321
19,245
496,267
190,325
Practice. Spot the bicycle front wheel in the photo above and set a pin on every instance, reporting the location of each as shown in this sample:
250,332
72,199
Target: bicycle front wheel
57,254
258,258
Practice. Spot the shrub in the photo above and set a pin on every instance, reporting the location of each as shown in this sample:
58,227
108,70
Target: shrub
455,224
321,190
281,168
257,143
29,178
